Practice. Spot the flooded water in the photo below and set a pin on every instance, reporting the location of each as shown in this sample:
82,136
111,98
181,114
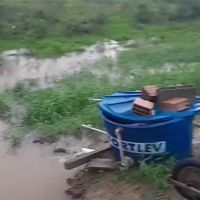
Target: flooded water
33,171
17,67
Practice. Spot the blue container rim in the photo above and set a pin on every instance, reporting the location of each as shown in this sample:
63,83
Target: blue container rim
141,126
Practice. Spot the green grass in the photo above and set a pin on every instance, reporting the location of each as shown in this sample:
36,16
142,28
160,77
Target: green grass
50,47
63,109
156,174
185,42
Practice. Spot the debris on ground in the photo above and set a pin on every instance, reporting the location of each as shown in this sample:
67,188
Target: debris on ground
43,140
77,186
59,150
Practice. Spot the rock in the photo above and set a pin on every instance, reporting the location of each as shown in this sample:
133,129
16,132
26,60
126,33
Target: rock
18,52
59,150
131,44
39,141
42,140
75,193
154,40
76,186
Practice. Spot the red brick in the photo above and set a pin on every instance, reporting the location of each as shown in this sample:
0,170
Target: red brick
150,92
175,104
143,107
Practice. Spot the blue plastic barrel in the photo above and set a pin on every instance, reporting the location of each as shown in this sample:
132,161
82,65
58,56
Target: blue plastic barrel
172,138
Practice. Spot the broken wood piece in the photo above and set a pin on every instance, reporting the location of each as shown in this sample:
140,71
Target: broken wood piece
84,158
102,163
184,186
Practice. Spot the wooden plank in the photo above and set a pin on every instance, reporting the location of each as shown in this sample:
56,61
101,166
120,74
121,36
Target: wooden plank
82,159
102,163
188,92
184,186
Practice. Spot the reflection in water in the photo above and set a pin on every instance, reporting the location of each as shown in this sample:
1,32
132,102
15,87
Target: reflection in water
19,68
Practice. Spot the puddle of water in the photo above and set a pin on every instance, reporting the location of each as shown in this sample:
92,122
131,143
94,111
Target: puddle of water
33,171
18,68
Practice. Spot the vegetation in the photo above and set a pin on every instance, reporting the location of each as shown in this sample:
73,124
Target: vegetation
56,27
153,173
166,47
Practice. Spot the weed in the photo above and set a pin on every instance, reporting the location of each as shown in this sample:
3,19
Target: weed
156,174
4,109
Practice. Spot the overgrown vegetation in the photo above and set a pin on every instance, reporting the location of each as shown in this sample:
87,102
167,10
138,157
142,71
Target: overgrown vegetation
56,27
61,110
157,174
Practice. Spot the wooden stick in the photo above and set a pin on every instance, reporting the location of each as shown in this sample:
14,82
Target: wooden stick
183,185
94,129
82,159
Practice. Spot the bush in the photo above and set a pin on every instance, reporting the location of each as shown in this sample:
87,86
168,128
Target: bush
4,109
87,26
35,27
144,15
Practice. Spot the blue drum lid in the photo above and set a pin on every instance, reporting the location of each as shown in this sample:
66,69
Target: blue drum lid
119,106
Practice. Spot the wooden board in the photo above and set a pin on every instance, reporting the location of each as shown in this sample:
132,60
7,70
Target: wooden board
102,163
82,159
188,92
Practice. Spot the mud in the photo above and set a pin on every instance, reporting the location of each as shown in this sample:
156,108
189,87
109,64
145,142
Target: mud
17,67
33,171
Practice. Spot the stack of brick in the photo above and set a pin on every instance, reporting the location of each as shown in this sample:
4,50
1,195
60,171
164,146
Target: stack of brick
143,107
175,98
